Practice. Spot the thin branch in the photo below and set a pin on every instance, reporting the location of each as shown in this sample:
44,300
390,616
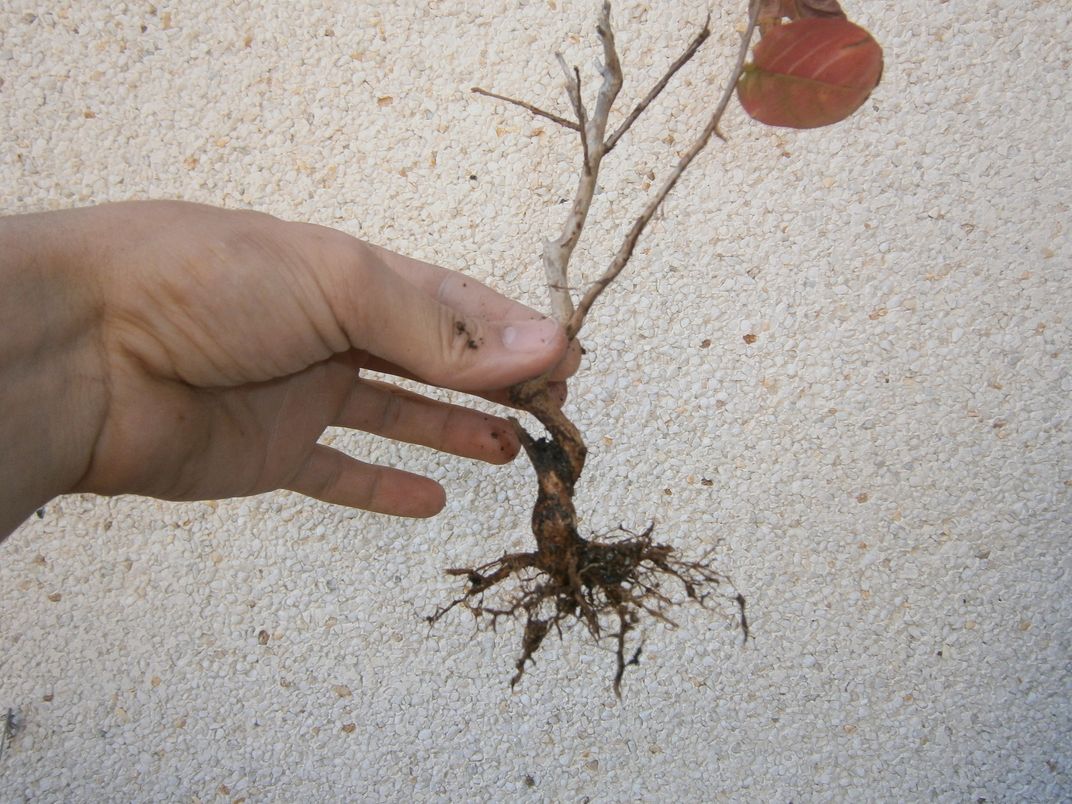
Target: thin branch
557,253
611,70
554,118
690,51
583,120
573,90
711,129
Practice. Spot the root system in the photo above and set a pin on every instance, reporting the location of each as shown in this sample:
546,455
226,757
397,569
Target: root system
606,584
609,585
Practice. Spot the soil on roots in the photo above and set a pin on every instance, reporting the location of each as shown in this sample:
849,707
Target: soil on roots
606,584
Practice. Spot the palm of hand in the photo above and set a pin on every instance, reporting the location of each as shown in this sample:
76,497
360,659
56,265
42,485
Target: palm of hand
230,344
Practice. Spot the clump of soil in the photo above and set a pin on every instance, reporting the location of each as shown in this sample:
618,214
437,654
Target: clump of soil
606,584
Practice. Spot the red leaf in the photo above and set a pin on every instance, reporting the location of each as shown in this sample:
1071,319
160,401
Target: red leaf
809,73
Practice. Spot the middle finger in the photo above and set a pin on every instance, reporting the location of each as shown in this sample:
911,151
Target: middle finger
391,412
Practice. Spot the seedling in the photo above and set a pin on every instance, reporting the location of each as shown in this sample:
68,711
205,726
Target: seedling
824,68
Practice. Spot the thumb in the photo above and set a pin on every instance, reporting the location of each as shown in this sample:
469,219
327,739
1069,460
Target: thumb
402,323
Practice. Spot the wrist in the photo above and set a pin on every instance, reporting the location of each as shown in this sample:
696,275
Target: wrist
52,390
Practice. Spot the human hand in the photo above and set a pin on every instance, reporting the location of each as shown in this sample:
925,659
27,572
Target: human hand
228,341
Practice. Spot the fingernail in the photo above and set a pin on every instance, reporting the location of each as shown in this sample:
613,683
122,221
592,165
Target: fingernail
530,336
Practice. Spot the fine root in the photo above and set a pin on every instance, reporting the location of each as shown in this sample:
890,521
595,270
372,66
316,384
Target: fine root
608,584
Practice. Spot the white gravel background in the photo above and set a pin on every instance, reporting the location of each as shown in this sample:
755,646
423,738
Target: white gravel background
889,461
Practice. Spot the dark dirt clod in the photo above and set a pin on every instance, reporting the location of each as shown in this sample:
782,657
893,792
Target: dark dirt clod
461,329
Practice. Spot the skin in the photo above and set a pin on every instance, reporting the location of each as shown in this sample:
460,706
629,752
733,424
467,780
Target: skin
187,352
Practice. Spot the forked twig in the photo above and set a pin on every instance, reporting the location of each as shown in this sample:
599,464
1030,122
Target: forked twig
593,128
595,145
626,250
